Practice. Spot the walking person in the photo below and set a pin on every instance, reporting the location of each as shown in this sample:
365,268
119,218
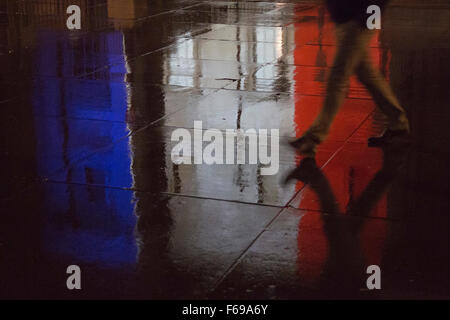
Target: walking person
352,57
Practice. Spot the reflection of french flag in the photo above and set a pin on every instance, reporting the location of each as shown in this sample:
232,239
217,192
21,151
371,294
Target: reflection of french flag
102,232
315,48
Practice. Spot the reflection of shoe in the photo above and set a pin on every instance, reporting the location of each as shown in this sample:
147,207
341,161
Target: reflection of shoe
304,172
306,144
390,136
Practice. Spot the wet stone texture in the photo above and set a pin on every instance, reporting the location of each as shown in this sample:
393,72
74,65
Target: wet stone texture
88,179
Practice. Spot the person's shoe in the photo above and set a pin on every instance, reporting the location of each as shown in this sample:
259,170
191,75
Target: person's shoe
306,144
304,172
389,136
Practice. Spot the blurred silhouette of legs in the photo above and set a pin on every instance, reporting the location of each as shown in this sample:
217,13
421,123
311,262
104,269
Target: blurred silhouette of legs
352,57
345,261
382,93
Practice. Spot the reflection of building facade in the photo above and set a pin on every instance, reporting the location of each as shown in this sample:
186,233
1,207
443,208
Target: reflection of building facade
71,100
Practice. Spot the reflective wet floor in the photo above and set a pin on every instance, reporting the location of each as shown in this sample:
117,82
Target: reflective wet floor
87,118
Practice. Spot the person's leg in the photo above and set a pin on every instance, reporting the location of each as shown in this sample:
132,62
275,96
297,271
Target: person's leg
382,93
352,42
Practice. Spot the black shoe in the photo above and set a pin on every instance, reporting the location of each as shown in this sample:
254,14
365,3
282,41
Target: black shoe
306,144
388,137
305,171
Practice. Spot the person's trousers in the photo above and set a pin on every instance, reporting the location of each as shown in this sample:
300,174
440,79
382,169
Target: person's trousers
353,57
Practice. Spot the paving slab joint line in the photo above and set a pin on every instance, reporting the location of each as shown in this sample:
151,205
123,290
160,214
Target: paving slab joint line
244,252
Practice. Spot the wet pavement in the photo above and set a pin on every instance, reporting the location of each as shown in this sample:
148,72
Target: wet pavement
87,118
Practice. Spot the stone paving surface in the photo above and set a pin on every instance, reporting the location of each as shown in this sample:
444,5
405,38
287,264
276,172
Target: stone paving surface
87,117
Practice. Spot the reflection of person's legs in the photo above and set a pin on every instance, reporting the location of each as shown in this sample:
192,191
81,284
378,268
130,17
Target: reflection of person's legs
382,93
353,41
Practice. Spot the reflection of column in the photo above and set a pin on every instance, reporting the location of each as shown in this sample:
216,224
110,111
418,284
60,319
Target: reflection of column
196,47
148,166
